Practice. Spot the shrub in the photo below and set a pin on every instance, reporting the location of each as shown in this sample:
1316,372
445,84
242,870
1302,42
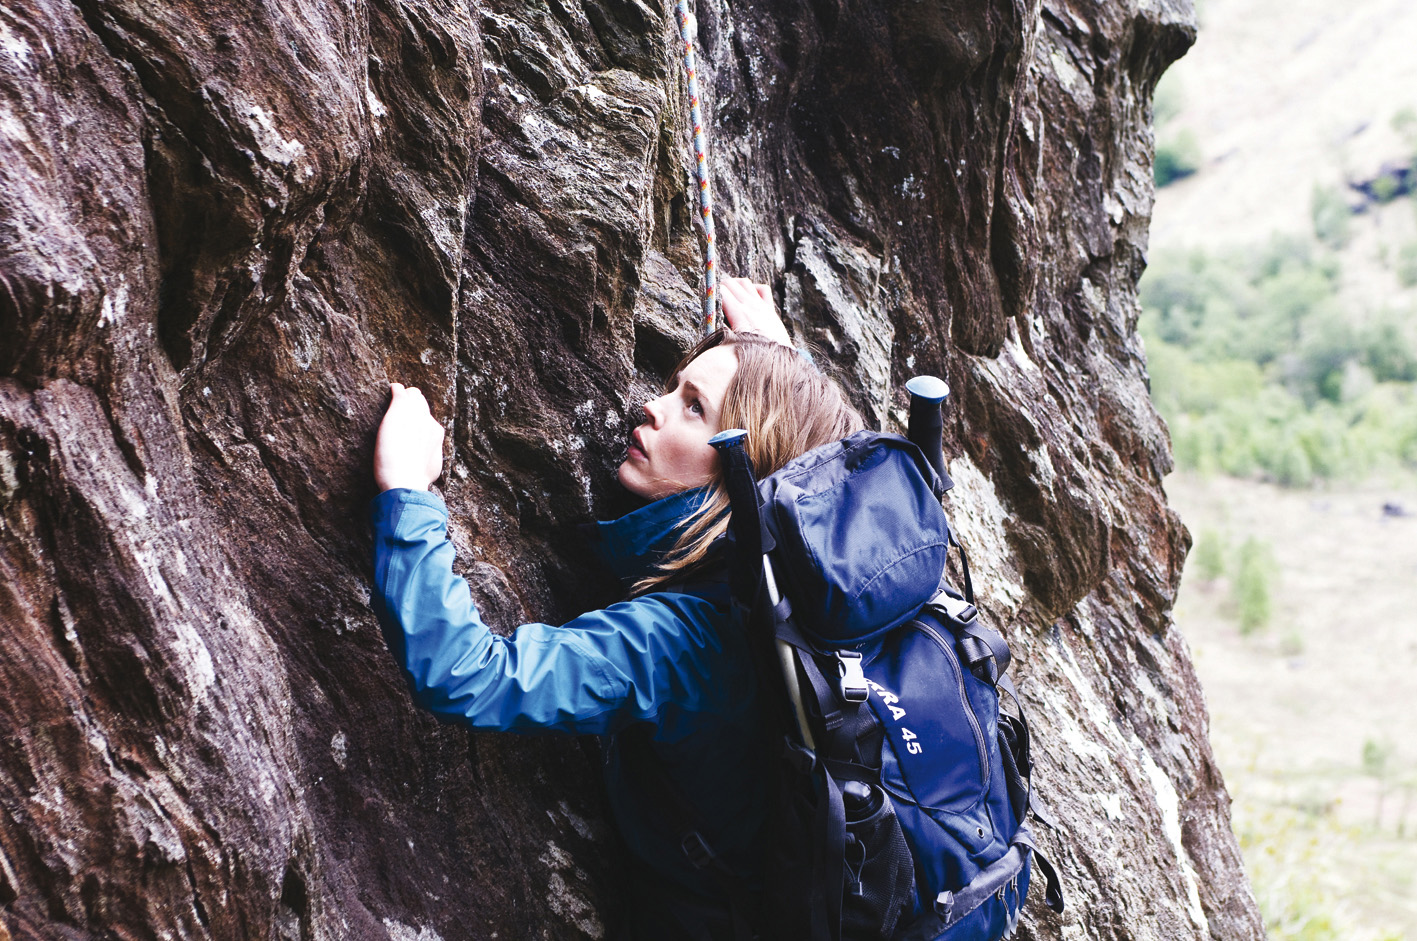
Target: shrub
1291,299
1381,429
1321,433
1407,265
1331,216
1387,187
1254,571
1375,757
1404,122
1385,349
1290,464
1328,343
1210,555
1377,761
1387,346
1176,158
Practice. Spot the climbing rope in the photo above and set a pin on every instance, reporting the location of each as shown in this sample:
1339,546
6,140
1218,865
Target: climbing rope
688,31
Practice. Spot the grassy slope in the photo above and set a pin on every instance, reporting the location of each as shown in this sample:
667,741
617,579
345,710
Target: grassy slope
1282,95
1293,704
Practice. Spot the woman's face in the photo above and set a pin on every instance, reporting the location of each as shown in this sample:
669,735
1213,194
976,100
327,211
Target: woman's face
669,451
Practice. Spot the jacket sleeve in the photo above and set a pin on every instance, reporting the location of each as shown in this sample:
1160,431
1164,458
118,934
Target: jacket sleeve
596,674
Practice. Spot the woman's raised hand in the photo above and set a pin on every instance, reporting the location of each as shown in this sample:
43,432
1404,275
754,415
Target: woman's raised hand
409,451
748,308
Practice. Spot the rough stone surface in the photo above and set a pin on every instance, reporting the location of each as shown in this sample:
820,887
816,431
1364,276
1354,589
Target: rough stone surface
224,226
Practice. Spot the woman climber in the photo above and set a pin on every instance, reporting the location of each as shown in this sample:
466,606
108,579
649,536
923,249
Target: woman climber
666,674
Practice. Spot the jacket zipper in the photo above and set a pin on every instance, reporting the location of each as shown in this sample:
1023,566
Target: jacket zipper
963,698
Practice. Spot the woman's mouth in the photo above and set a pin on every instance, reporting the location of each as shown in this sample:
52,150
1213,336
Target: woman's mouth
635,450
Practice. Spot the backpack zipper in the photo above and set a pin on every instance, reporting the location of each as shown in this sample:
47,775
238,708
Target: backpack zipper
934,635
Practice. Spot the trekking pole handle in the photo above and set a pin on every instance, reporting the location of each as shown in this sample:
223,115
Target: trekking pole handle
746,519
926,426
738,477
728,438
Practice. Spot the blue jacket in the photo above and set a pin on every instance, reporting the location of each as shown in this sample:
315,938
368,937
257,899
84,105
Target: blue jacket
673,663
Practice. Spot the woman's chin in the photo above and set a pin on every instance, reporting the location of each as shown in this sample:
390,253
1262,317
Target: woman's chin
629,479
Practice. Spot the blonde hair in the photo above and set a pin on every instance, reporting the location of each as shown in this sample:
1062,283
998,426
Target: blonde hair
787,407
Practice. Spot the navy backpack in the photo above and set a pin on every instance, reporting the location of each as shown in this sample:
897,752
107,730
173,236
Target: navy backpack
903,786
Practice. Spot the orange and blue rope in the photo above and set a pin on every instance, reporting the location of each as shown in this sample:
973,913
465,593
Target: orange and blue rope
688,30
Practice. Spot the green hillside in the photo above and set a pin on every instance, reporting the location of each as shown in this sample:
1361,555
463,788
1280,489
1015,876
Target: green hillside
1261,370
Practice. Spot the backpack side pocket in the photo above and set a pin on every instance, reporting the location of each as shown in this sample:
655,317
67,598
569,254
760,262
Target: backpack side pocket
880,872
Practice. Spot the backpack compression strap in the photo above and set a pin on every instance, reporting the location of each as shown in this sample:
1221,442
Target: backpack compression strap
964,565
951,908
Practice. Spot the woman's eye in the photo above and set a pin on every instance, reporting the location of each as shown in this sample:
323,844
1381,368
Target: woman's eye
696,407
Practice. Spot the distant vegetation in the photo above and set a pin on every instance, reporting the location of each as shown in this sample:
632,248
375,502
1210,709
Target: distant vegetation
1177,155
1178,152
1251,576
1407,265
1259,370
1333,220
1255,363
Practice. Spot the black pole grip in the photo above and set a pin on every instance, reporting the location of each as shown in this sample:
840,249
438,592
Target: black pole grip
745,524
926,426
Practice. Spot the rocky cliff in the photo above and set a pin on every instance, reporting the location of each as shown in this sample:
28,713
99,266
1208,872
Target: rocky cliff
224,226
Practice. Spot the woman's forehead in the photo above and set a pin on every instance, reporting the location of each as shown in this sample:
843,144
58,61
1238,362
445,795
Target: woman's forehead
711,371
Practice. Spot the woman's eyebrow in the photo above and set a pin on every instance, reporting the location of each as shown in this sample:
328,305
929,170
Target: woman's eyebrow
698,393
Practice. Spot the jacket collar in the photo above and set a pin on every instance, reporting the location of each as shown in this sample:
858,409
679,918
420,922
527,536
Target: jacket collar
632,545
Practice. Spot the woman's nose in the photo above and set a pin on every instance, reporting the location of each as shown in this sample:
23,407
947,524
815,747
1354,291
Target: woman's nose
653,412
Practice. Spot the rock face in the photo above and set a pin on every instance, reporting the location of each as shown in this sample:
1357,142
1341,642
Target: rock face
224,226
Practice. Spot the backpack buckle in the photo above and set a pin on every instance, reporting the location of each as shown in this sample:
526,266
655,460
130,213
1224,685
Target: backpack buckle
697,850
957,608
853,678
